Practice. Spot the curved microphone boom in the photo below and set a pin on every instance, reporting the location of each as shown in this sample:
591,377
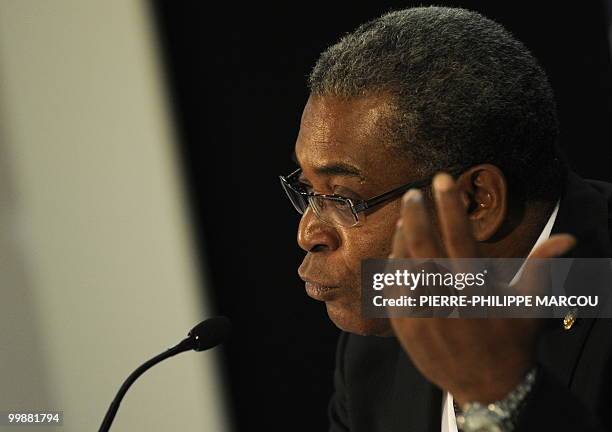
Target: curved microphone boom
206,335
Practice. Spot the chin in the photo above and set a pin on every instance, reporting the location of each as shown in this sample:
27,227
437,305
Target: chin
349,319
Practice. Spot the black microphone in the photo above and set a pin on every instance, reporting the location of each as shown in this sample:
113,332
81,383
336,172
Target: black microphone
206,335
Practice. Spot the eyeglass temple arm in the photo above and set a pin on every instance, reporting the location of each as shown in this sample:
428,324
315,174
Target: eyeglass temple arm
372,202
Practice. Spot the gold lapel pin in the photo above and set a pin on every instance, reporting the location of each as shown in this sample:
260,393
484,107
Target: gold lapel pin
570,318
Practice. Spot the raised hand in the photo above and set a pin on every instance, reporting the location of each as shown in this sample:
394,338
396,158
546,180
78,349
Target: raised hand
473,359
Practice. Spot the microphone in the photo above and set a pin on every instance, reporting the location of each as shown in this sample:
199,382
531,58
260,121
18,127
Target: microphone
206,335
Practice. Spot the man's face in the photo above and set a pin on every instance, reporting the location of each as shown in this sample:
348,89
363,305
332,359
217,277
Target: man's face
341,149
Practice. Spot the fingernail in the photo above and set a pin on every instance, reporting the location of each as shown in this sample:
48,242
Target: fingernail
442,182
413,196
398,225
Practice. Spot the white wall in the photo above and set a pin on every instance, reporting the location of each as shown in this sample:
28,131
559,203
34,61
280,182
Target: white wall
96,263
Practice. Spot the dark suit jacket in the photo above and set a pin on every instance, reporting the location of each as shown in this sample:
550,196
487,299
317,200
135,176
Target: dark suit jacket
377,388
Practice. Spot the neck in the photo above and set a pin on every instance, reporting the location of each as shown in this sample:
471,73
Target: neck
527,227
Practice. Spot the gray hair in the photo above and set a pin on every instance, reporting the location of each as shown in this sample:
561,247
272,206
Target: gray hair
464,91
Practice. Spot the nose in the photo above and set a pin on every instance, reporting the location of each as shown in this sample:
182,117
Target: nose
315,235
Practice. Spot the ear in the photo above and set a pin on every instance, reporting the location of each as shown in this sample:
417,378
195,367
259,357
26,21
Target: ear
484,192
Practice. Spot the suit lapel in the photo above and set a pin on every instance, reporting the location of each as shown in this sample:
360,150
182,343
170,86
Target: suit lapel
583,212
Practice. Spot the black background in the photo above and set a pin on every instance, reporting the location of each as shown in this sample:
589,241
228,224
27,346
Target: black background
237,75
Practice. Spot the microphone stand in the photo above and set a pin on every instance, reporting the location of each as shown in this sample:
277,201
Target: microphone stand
185,345
205,335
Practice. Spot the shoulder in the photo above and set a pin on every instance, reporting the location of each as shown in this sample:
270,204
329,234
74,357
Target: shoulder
604,189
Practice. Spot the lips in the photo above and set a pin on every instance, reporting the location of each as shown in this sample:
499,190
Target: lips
320,292
316,287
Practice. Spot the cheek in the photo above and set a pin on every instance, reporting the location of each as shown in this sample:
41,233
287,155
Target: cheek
371,240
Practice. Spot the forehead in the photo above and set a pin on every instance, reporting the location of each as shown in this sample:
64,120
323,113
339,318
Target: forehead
348,131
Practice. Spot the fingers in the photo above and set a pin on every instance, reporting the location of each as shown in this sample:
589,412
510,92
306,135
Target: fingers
397,249
416,235
556,245
455,227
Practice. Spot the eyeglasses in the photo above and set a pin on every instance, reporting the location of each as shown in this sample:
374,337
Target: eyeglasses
335,209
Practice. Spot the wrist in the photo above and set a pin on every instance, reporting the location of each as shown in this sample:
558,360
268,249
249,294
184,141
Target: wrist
494,386
497,416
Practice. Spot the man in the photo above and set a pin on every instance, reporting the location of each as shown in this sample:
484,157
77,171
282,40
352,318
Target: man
411,94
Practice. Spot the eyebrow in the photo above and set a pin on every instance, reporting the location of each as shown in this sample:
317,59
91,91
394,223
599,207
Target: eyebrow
335,169
339,169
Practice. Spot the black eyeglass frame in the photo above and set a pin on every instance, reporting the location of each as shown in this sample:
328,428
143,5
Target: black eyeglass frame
362,205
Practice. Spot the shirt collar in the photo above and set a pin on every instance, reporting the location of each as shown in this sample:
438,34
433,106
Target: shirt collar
541,239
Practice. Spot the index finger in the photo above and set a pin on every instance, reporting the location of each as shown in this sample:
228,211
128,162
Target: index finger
455,228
